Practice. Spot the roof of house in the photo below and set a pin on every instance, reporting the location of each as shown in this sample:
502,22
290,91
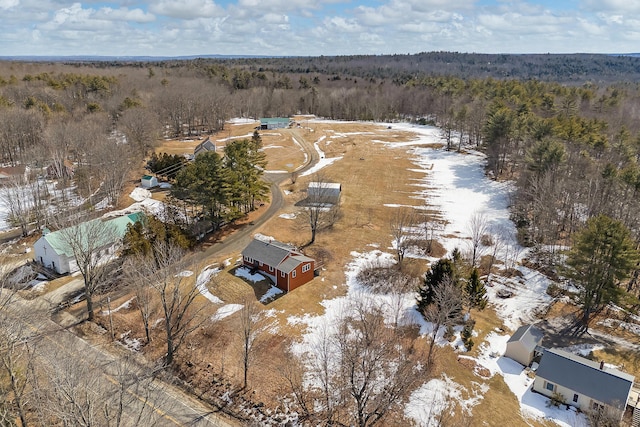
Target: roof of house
147,177
326,185
528,335
9,171
117,229
206,145
585,377
290,264
276,254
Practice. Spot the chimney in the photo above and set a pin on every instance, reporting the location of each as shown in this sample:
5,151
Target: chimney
602,365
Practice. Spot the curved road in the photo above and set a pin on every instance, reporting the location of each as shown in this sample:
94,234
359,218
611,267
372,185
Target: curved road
241,238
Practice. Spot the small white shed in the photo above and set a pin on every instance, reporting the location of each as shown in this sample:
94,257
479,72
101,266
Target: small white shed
148,181
522,345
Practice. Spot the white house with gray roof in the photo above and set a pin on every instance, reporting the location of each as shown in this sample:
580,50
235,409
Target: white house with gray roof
582,383
524,344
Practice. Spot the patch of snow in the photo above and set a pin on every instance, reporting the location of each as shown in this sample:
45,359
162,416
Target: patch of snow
529,295
428,402
231,138
185,273
139,194
226,311
37,285
583,349
322,163
634,328
124,305
245,273
164,185
271,293
201,283
132,344
317,147
241,121
263,237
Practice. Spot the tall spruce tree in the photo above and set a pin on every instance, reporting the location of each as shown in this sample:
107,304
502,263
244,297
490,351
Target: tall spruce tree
476,292
603,254
441,270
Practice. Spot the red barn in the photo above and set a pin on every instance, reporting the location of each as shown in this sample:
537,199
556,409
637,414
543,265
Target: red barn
283,264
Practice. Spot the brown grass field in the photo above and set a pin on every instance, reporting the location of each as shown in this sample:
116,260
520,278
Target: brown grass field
372,174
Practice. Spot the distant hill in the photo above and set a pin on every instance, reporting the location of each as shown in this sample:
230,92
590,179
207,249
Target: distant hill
577,68
106,58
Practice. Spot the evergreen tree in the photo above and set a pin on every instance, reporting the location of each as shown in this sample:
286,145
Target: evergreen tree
205,184
603,254
142,236
476,291
245,162
467,334
440,271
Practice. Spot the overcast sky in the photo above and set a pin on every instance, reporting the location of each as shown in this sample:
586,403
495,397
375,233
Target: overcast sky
316,27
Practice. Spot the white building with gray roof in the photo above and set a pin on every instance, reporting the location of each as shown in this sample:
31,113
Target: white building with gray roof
583,383
524,344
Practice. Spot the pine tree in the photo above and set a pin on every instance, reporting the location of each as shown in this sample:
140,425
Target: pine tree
603,254
476,292
442,269
205,183
467,334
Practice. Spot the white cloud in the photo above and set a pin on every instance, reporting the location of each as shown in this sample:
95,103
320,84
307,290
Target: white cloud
338,23
327,27
619,6
8,4
124,14
185,9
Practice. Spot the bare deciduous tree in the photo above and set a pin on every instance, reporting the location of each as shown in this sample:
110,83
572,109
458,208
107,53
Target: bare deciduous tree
91,244
358,371
163,273
430,226
478,227
252,325
402,223
321,208
18,341
445,310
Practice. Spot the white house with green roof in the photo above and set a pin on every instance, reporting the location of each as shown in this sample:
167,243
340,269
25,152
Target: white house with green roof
54,251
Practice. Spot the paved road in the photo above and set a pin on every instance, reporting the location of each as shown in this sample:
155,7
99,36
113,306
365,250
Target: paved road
146,402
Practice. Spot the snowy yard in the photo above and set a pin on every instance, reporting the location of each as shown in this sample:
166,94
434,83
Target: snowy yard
455,185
